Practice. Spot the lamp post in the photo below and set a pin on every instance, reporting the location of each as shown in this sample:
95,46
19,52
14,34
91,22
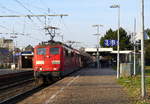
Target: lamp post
118,59
134,42
143,90
13,37
98,34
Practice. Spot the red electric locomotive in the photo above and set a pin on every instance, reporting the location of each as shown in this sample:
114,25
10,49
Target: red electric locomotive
54,60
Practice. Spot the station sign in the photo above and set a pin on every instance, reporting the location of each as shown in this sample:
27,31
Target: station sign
110,43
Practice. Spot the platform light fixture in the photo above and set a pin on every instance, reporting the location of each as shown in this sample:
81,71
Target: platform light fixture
118,35
97,34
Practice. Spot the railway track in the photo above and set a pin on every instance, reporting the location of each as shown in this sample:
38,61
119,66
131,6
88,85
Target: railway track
16,92
5,87
12,85
8,79
22,91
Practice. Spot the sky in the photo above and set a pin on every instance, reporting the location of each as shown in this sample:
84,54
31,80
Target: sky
77,26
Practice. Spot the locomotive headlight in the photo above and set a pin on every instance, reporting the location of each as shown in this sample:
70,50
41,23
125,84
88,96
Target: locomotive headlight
56,62
54,68
40,68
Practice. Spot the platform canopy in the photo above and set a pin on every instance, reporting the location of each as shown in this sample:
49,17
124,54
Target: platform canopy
122,52
107,50
100,49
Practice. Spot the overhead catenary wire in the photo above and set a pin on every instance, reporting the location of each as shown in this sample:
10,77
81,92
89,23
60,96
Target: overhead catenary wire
29,17
43,10
24,28
39,9
24,15
48,22
65,25
27,9
13,31
6,28
48,12
7,9
43,3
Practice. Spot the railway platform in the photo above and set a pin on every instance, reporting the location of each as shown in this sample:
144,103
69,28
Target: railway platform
86,86
10,71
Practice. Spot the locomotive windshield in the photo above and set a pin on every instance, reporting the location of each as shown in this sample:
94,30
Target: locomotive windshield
54,51
41,51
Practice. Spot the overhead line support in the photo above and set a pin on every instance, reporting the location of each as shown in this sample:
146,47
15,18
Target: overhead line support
40,15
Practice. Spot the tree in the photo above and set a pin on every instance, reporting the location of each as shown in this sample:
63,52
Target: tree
125,43
147,48
148,31
147,52
29,48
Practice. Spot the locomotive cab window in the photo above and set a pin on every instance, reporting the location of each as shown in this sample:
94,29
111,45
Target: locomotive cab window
54,51
41,51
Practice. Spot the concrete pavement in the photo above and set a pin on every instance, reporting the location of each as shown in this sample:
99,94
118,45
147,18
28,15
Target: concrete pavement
87,86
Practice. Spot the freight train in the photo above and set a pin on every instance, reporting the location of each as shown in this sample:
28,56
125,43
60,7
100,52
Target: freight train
54,60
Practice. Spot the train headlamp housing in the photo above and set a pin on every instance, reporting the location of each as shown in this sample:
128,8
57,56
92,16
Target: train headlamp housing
40,69
54,68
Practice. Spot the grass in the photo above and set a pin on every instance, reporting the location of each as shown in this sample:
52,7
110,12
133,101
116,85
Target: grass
147,70
147,67
133,87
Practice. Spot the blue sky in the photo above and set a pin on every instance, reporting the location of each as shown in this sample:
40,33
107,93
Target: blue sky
77,26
